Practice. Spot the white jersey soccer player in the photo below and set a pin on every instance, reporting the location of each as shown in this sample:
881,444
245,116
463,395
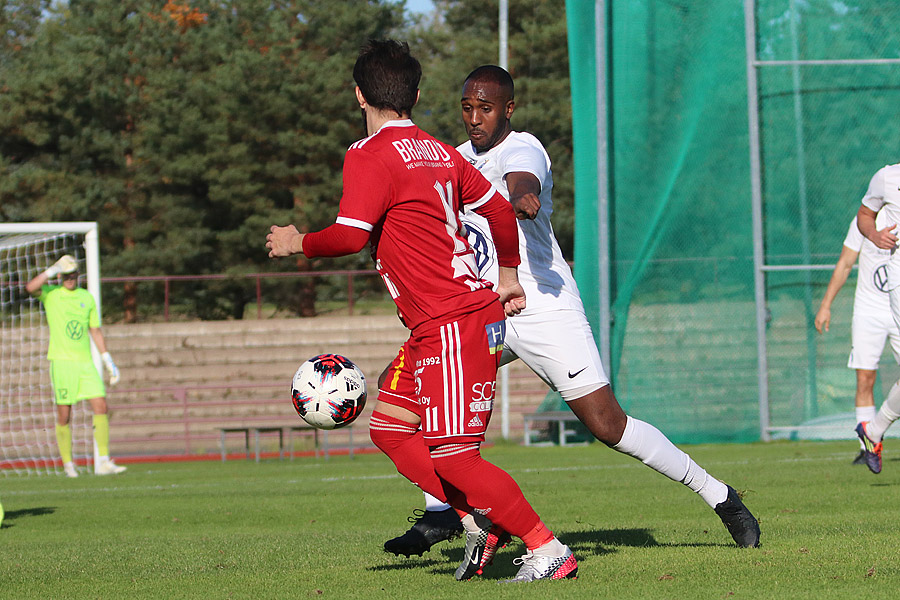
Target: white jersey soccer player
872,321
878,218
552,334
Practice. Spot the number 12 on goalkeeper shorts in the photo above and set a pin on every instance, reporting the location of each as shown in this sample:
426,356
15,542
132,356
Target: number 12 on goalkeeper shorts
431,417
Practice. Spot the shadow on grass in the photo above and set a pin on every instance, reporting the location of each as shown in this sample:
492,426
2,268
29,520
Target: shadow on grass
583,543
12,515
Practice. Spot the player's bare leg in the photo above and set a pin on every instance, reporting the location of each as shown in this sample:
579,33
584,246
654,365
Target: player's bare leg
865,405
601,413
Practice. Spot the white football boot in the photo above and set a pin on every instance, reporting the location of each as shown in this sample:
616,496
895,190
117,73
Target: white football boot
536,567
108,467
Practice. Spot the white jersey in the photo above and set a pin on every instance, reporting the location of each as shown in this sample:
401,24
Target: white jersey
883,197
871,280
544,273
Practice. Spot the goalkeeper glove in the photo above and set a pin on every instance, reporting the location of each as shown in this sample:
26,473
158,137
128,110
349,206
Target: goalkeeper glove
111,368
66,264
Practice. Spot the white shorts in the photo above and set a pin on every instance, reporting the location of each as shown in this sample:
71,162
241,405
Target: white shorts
559,347
869,331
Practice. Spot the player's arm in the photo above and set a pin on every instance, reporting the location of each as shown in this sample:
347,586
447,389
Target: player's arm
524,191
100,342
883,238
335,240
838,279
65,264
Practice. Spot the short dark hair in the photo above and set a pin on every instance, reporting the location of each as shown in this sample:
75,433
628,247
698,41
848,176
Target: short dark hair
494,74
388,75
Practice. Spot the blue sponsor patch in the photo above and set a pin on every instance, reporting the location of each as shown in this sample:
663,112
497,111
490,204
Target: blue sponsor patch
496,332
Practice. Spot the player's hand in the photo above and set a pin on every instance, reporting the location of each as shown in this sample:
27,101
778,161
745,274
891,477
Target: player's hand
823,319
885,238
526,206
514,305
111,368
512,296
66,264
284,241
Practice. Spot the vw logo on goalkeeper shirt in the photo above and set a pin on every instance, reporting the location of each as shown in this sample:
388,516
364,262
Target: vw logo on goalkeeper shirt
75,330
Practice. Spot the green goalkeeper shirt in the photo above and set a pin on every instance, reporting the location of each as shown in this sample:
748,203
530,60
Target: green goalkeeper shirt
70,314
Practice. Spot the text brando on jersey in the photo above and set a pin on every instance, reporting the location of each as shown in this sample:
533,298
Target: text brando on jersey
422,153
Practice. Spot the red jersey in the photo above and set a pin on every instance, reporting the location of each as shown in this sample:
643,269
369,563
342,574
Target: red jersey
406,188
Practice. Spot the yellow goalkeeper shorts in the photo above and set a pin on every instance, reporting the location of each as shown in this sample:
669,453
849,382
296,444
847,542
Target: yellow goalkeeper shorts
74,381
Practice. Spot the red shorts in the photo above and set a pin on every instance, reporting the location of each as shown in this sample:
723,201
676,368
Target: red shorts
447,376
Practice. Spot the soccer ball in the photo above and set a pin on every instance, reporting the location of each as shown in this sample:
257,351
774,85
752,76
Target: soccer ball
329,391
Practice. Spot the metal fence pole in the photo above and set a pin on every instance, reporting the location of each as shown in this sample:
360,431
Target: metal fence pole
166,300
258,297
350,293
181,395
759,279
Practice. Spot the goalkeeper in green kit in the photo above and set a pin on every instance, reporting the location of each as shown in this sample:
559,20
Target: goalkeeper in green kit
72,315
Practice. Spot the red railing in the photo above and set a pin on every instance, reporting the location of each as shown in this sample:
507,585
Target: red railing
258,277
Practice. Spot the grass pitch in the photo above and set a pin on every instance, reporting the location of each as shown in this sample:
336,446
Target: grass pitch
314,529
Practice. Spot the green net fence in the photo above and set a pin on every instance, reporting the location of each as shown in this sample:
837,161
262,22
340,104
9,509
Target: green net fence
683,310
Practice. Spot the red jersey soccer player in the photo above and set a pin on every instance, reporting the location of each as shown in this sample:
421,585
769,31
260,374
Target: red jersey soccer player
402,192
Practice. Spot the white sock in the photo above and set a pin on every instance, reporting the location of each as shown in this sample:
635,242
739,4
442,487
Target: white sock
474,523
887,414
554,549
432,503
68,465
864,413
102,459
646,443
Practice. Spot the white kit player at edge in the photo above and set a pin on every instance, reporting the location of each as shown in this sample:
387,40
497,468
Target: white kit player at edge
552,334
872,323
877,218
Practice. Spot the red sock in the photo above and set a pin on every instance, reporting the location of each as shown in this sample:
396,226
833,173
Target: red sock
487,487
538,536
403,443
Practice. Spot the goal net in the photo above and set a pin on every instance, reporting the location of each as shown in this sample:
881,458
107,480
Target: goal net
27,409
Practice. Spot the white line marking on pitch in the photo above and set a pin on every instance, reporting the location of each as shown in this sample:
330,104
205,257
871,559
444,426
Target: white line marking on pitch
175,486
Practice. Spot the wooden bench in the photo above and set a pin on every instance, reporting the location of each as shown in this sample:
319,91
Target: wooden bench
295,429
303,428
562,417
292,430
255,431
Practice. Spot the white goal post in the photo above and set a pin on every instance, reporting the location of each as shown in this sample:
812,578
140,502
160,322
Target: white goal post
27,410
